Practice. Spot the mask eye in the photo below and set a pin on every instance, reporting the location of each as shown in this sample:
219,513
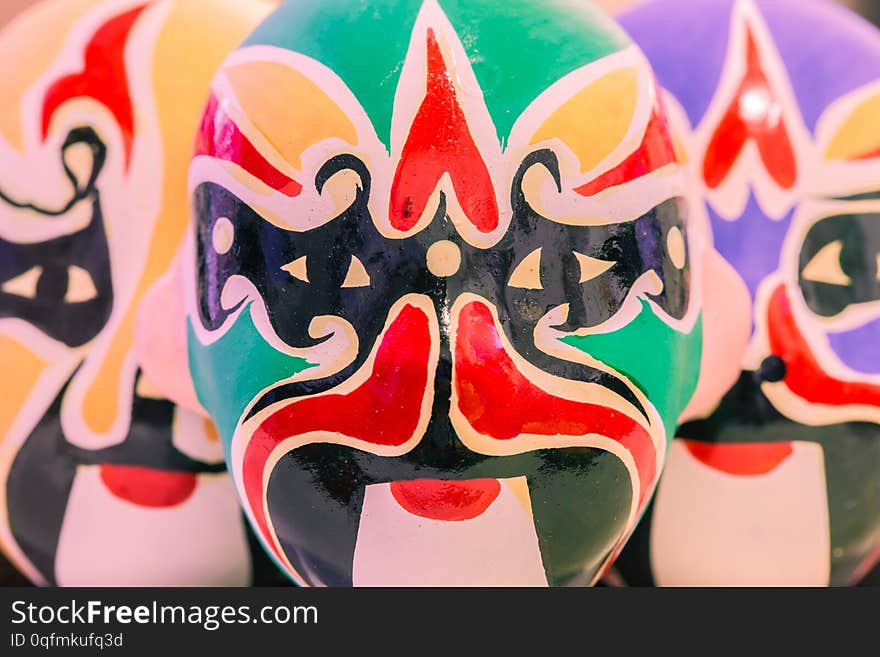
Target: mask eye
24,285
591,267
80,286
297,269
357,275
824,267
527,275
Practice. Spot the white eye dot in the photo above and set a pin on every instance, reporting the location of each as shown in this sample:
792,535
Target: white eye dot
24,285
527,274
443,258
676,248
357,275
80,286
824,267
223,235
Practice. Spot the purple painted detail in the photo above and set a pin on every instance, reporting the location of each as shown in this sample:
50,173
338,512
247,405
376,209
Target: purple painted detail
686,42
859,349
751,243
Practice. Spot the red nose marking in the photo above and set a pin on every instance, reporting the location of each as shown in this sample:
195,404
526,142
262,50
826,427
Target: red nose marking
500,402
384,410
103,78
743,459
804,375
220,137
446,500
440,142
148,487
755,113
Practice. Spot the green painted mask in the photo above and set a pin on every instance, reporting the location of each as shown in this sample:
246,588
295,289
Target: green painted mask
441,304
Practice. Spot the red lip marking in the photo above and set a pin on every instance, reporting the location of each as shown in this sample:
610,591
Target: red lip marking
499,402
446,500
103,78
767,129
804,375
743,459
384,410
220,137
655,151
440,142
148,487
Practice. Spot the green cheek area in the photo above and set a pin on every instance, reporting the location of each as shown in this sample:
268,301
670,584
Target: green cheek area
662,362
517,48
226,391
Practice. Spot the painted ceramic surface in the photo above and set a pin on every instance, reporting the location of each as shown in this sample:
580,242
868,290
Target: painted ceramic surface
103,481
443,310
780,482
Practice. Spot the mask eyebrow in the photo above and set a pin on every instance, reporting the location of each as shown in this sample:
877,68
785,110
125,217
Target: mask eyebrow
220,137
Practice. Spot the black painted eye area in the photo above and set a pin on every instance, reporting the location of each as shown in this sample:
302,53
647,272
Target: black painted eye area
346,268
591,268
63,285
837,265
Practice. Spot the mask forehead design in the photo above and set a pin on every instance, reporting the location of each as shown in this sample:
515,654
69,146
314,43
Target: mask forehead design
402,286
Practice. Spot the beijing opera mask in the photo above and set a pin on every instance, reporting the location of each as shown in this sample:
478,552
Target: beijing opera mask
440,296
103,482
779,484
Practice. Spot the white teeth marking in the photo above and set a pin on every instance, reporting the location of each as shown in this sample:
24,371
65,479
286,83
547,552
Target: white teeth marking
357,275
80,286
527,275
297,269
24,285
591,267
223,235
824,267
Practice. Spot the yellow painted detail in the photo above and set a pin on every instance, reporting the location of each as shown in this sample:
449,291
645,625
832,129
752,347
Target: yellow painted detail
594,121
296,114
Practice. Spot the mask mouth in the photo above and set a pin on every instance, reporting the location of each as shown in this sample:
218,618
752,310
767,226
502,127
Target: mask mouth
148,487
442,426
451,501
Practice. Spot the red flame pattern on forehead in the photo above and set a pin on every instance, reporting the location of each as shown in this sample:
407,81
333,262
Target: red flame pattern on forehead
752,115
753,136
439,104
